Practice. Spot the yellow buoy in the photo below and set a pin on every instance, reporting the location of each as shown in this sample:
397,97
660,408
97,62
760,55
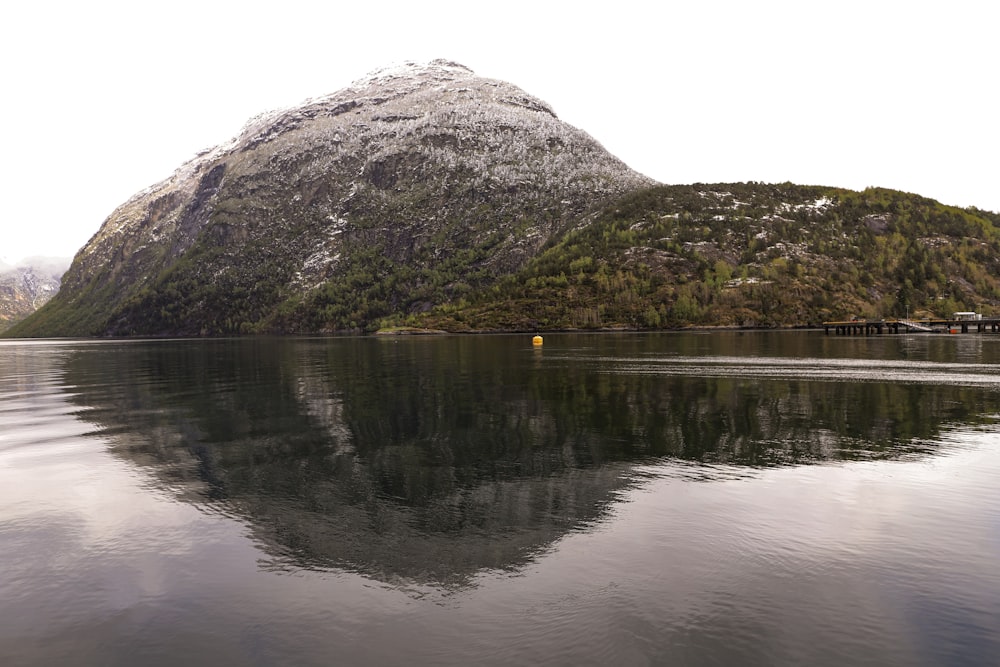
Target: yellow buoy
537,340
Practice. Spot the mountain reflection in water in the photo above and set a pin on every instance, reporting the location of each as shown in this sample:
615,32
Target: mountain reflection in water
430,460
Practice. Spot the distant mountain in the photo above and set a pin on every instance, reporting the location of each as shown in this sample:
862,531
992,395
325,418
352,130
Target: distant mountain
26,287
426,196
409,189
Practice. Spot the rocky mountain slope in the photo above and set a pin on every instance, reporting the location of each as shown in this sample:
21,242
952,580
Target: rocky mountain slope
28,286
410,188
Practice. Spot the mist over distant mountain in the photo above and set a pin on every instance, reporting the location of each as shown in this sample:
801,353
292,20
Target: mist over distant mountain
27,286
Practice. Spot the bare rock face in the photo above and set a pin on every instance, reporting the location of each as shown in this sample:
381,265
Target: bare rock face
405,190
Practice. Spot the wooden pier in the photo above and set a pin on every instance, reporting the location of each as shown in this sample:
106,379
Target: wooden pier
874,327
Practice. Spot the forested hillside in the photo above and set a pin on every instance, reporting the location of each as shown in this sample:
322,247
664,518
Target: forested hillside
746,255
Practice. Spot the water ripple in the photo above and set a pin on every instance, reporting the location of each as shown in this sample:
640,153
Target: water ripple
845,370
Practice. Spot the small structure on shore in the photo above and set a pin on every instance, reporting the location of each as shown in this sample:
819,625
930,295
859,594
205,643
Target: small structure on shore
961,321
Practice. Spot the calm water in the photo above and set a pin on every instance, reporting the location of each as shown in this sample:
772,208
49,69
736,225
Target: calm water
678,499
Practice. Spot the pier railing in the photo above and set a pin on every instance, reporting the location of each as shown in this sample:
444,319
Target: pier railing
859,327
916,326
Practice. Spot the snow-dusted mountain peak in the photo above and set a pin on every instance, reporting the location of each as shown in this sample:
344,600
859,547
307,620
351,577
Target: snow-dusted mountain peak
414,185
410,68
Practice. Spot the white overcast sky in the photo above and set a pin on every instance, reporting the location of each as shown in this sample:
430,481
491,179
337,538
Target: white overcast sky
102,99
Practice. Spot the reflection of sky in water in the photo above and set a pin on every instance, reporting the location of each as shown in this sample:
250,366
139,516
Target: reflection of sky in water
885,562
819,563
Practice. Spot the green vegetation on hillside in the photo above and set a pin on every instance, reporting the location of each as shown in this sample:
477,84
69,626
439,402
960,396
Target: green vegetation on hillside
746,255
749,254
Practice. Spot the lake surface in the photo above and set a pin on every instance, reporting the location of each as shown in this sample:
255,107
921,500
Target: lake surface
773,498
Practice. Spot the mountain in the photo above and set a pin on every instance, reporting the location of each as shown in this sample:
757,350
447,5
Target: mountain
27,286
426,196
410,188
